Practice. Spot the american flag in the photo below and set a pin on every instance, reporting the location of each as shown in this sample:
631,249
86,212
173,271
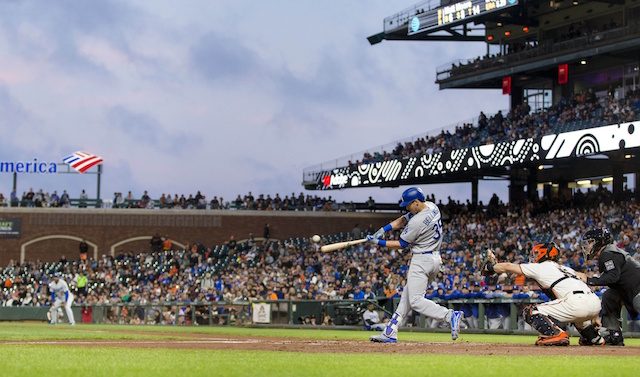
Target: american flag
82,161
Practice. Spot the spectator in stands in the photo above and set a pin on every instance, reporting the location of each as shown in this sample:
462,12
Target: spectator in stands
54,200
371,204
64,198
28,198
83,198
266,233
84,249
156,243
166,243
14,198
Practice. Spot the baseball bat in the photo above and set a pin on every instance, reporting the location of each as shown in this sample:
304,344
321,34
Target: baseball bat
341,245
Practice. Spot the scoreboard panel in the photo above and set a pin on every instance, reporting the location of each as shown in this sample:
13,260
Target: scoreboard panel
455,14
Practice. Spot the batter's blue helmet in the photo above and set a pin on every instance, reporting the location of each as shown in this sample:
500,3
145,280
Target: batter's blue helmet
411,194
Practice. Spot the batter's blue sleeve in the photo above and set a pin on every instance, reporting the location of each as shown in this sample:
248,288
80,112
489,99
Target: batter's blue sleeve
403,243
66,296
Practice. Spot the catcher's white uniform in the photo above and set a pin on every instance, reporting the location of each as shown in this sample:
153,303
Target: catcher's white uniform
60,295
574,302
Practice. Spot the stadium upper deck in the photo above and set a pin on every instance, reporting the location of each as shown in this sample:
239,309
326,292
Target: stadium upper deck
540,53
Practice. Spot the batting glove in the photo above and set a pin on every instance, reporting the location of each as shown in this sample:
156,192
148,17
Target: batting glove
379,234
372,239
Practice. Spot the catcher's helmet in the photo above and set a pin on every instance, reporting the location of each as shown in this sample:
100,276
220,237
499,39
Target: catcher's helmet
594,240
411,194
544,252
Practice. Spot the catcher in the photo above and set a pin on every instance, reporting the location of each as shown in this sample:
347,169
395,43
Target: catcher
571,299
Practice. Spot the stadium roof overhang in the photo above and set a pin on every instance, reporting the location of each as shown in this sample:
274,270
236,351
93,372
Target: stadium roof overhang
544,66
505,24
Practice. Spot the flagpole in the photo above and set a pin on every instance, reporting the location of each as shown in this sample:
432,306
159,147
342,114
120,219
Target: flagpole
99,174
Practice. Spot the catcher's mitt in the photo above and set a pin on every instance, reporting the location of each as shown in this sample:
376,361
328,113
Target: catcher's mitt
486,268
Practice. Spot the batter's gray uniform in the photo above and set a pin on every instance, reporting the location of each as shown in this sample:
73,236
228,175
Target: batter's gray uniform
423,233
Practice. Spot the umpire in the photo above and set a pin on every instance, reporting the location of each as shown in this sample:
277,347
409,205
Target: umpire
620,273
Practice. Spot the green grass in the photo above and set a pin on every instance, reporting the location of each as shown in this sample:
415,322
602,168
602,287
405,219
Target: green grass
47,360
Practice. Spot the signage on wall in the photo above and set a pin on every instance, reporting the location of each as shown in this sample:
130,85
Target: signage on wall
80,161
510,153
10,228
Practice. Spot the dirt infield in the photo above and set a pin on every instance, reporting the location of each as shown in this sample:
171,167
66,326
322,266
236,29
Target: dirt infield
213,342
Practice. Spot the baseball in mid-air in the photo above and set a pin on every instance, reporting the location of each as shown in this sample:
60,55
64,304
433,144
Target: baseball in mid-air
315,238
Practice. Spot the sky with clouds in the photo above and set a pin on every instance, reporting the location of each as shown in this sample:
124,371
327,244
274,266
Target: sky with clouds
224,97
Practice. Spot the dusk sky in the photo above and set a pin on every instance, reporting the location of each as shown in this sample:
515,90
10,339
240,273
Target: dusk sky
224,97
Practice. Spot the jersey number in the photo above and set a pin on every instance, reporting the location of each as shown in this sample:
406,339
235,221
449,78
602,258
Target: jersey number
437,227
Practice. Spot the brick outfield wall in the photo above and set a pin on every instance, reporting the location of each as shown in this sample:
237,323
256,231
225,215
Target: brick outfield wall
105,228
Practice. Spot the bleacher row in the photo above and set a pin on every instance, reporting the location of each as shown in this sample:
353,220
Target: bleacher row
301,203
583,110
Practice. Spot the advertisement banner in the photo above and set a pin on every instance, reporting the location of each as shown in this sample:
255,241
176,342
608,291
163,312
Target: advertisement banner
459,162
10,228
506,85
261,312
563,74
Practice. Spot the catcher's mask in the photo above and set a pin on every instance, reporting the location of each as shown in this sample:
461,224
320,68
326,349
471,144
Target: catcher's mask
594,240
544,252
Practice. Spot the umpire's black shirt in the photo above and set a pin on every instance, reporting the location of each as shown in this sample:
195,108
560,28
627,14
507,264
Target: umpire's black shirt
619,271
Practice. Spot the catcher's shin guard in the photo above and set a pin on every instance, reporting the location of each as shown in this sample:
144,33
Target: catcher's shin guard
589,337
550,333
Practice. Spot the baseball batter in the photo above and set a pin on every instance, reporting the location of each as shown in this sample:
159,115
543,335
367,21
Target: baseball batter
422,234
60,295
571,299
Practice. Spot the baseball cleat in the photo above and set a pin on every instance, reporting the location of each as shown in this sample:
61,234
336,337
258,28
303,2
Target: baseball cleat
561,339
382,338
456,316
585,342
72,324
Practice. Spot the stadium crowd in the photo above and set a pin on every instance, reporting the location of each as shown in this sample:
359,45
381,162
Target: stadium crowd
263,202
295,269
584,109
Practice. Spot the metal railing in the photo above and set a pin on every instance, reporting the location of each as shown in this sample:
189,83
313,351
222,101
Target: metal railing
271,312
474,66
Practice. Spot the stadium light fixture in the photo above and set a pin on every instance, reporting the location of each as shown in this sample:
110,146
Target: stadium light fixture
583,62
540,167
627,156
575,2
507,33
490,38
607,179
525,29
584,182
